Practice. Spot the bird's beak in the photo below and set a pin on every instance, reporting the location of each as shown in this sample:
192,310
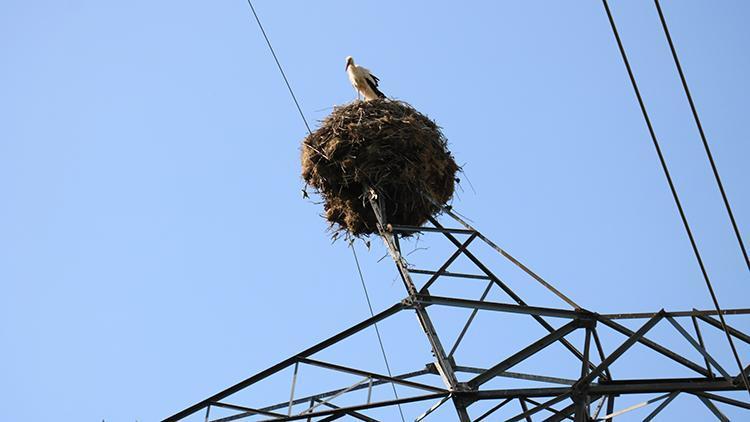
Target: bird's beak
347,66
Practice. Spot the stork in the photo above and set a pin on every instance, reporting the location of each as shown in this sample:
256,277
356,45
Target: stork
363,81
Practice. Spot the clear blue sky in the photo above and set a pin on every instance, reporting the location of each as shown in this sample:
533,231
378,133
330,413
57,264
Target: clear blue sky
154,245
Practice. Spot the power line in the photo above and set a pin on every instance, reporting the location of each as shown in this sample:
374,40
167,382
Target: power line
281,69
703,135
377,331
675,196
356,260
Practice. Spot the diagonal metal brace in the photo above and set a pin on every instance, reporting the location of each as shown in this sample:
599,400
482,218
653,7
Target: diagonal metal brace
529,350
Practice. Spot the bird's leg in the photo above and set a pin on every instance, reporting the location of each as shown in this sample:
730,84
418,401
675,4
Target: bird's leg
359,96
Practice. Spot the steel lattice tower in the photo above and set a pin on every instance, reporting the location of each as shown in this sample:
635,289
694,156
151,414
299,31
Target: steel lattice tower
446,382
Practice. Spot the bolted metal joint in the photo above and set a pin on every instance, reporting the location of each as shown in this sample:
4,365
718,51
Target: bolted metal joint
587,322
463,387
408,302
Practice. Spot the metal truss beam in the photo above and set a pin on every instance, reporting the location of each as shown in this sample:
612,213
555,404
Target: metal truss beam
341,368
349,409
286,363
524,353
639,386
507,289
657,347
338,391
503,307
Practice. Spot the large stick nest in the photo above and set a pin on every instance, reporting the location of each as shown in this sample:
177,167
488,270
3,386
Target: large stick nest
386,146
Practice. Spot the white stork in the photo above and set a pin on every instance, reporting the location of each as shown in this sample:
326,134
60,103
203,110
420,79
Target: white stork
363,81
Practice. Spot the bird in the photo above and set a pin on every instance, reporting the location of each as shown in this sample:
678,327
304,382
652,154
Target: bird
363,81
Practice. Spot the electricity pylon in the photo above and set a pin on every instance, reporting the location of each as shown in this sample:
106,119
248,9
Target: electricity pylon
479,393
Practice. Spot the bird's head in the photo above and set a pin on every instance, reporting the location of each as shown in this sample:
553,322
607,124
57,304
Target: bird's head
349,62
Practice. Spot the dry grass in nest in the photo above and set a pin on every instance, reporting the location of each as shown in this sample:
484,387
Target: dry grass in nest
388,146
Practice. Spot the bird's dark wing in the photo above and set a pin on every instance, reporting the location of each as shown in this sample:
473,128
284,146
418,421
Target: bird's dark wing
374,86
375,79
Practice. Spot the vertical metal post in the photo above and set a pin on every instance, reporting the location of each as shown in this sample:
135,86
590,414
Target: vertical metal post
208,411
369,391
582,414
442,363
294,382
610,407
586,349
